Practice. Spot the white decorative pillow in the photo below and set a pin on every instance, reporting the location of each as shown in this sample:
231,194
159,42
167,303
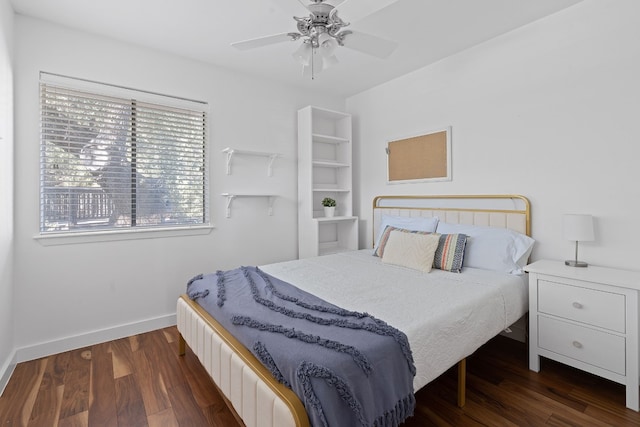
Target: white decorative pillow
411,250
492,248
408,223
384,237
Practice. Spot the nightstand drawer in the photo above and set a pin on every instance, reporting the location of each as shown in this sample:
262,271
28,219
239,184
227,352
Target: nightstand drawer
596,348
597,308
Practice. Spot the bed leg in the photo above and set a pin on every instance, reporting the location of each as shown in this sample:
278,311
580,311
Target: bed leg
462,382
182,345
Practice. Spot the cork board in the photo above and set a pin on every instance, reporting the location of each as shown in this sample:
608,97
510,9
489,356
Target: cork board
424,157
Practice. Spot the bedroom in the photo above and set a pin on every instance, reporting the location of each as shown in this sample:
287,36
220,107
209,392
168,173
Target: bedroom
554,103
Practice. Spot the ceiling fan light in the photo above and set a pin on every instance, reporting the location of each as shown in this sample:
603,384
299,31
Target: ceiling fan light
328,47
316,64
303,54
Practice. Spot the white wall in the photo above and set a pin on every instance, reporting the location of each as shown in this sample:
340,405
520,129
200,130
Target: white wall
7,359
68,295
550,111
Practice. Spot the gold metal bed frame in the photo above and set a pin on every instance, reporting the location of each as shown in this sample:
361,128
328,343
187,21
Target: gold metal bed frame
251,392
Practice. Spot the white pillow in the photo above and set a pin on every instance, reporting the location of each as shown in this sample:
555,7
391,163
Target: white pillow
492,248
408,223
411,250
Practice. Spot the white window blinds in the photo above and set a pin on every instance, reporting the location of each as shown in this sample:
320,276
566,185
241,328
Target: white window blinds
115,158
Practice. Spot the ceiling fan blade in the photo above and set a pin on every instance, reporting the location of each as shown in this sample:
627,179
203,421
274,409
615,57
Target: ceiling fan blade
265,41
289,7
354,10
334,3
307,3
369,44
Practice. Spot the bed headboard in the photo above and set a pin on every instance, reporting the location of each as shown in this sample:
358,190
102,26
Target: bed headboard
510,211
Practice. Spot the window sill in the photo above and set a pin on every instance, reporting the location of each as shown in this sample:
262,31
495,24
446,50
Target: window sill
53,239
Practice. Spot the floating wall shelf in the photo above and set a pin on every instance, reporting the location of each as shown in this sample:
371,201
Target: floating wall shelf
231,196
232,151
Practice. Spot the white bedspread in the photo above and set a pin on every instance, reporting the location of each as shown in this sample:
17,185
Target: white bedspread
446,316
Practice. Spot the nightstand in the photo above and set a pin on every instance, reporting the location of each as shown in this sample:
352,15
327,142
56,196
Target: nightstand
586,318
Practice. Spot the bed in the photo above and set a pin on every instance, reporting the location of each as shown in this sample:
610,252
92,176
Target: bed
464,309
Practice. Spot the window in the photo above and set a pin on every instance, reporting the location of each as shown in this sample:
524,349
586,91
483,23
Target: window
115,158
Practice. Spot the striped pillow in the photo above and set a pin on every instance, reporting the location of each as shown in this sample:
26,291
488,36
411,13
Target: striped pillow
450,252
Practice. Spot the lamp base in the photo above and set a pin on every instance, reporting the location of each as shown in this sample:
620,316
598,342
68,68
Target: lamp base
573,263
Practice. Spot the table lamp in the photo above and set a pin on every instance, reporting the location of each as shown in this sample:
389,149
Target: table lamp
579,228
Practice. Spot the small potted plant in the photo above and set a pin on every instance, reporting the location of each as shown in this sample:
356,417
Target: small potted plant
329,206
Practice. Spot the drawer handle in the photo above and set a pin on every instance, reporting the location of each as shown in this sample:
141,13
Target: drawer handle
577,305
577,344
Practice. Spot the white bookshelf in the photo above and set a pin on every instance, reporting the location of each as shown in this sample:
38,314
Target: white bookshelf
325,170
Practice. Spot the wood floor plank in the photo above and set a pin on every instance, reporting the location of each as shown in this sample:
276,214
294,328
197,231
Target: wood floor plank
166,418
122,357
164,358
80,419
185,407
171,334
129,403
30,393
198,380
613,413
218,414
528,409
152,386
134,342
102,407
75,398
19,412
556,408
48,403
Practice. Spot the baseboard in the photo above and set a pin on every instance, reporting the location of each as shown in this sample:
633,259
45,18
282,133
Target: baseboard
7,370
94,337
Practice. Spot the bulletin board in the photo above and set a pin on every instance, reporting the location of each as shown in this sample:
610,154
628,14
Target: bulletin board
425,157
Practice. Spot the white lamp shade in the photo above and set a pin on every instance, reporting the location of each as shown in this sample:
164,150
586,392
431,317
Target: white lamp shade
328,46
316,64
578,227
303,54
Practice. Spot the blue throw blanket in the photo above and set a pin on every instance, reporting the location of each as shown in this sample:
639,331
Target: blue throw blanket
348,368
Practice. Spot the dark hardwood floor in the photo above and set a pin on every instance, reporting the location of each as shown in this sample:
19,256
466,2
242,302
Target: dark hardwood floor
141,381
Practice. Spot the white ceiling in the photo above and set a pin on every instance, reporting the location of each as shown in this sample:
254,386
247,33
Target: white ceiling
426,30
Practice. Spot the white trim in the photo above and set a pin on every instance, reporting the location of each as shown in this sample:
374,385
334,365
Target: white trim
7,371
94,337
52,239
109,89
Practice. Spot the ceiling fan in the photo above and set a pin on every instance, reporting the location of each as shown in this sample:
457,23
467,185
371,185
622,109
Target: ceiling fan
322,31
